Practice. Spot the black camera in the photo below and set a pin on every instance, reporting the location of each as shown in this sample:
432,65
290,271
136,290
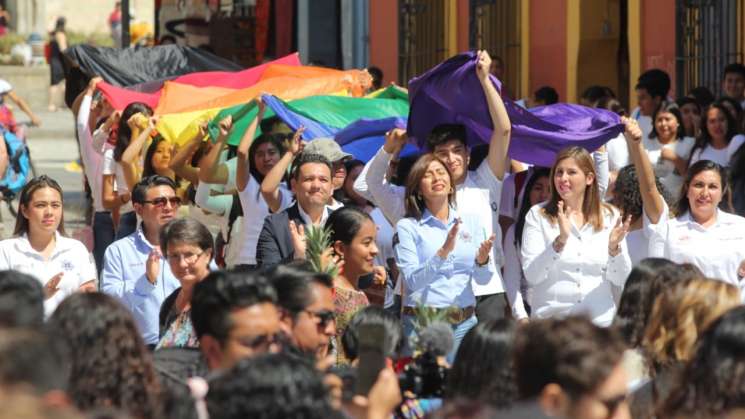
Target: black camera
423,378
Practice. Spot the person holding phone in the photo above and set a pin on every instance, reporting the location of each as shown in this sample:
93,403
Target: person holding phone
39,246
439,253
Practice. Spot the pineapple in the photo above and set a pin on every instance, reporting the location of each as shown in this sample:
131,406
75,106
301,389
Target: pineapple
318,242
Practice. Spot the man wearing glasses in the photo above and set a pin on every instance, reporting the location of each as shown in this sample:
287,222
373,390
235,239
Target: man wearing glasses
306,303
134,269
235,317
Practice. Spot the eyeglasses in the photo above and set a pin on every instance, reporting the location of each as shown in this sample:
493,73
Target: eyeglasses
188,257
161,202
324,317
260,343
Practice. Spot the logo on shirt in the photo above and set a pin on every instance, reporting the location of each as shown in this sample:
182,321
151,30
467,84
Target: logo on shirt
67,266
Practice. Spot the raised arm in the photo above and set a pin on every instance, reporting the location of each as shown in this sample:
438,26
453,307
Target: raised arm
272,180
500,137
654,205
35,121
181,161
372,183
210,171
242,171
140,135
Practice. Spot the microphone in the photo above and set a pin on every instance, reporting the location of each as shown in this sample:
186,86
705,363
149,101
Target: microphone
437,339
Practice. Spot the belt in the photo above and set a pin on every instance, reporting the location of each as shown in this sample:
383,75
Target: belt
454,315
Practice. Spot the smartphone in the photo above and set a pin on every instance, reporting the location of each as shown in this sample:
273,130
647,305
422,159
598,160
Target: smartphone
366,281
371,339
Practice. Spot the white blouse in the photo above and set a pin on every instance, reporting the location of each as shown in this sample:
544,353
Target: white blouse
717,250
577,280
69,257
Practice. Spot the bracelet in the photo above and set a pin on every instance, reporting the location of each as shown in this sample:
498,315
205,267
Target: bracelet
482,264
615,252
558,244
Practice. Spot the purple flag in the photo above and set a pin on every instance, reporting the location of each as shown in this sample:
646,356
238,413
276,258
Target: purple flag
451,93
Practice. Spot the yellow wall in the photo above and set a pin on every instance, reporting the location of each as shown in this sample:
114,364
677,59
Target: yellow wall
599,38
635,45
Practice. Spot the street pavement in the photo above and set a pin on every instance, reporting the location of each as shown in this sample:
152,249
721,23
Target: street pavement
53,147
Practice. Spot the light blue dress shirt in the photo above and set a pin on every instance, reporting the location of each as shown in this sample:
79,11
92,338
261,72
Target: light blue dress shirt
124,277
431,280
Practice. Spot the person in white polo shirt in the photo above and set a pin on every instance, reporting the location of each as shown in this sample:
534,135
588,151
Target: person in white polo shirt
39,247
700,232
478,192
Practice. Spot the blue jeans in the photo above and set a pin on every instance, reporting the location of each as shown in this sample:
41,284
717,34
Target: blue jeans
103,236
459,331
127,224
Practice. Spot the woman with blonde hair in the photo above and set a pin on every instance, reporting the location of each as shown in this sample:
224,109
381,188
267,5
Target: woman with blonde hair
574,245
679,316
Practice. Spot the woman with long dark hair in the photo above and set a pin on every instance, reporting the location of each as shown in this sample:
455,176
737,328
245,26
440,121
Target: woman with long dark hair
574,247
39,246
483,370
256,157
719,139
700,227
352,236
669,149
537,190
119,177
109,363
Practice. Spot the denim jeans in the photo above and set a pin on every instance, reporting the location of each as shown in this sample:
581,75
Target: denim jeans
459,331
103,236
127,224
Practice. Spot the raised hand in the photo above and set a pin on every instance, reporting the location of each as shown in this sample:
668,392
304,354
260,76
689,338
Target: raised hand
297,233
380,275
225,125
152,265
483,65
565,224
296,144
449,244
618,234
482,257
395,140
633,132
52,286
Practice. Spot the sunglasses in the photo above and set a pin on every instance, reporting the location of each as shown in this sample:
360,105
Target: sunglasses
162,201
324,317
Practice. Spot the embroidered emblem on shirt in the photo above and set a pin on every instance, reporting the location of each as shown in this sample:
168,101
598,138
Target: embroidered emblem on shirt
67,266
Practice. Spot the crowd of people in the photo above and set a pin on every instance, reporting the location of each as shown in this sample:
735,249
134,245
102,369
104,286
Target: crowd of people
281,278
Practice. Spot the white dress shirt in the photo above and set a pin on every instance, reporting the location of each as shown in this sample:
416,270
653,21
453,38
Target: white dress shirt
717,250
91,153
69,257
577,280
478,196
